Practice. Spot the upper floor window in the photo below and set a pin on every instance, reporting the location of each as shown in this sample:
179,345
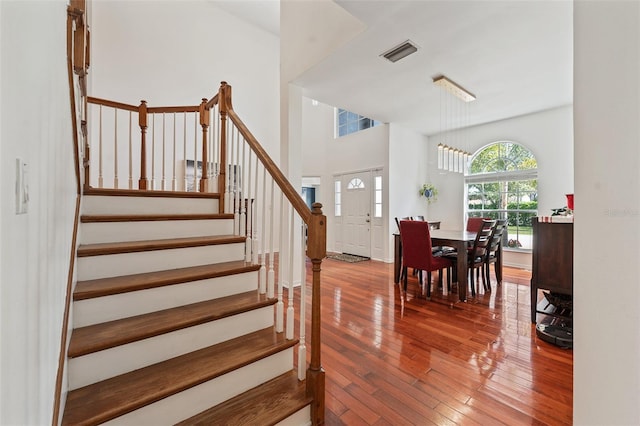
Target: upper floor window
503,184
349,122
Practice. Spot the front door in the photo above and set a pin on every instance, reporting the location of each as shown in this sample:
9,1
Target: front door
356,231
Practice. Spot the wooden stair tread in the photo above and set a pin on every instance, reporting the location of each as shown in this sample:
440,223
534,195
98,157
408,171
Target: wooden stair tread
114,285
149,245
266,404
152,217
148,193
102,401
97,337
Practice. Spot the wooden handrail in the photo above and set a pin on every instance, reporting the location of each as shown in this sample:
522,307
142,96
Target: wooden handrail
287,189
112,104
150,110
316,250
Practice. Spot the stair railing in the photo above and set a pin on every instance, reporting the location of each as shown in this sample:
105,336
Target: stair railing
151,148
253,187
207,148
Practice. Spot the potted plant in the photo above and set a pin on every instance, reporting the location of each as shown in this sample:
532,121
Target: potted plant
430,192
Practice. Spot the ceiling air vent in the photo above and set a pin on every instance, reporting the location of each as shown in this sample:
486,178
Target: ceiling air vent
402,50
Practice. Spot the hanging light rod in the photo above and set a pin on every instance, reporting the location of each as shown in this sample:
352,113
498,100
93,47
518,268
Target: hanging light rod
454,88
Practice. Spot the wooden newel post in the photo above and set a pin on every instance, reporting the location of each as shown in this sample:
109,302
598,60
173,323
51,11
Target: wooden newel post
316,251
204,122
222,178
142,121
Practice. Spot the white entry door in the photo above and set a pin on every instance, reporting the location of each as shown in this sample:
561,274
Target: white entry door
356,204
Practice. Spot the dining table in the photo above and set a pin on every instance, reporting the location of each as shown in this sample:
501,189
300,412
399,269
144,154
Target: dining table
457,239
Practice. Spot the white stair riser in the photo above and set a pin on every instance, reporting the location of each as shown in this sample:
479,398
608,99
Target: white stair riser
109,205
123,305
192,401
111,232
111,265
111,362
299,418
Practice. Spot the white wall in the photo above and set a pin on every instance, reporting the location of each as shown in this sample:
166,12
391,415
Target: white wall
35,247
325,156
549,136
607,229
408,156
178,52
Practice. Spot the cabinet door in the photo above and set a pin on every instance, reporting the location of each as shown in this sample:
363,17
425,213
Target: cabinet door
553,256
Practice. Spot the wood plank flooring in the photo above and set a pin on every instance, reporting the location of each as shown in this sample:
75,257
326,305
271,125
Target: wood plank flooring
394,360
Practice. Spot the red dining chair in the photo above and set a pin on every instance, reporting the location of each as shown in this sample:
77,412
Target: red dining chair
417,252
474,224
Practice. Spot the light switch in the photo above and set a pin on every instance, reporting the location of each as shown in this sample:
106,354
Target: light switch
22,187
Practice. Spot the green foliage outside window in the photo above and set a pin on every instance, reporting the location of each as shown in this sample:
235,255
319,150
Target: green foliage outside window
514,198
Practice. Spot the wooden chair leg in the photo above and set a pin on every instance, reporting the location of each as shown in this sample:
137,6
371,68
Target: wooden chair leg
484,277
404,274
428,284
473,284
487,270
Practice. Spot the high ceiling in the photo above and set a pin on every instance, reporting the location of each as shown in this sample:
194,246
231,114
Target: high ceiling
515,56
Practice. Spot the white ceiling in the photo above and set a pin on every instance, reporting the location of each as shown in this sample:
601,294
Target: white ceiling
515,56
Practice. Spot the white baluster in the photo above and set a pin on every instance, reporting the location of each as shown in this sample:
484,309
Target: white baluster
100,179
243,192
236,184
302,346
254,220
164,157
228,208
115,148
184,148
153,151
262,274
280,304
249,211
195,152
290,310
271,272
130,153
173,179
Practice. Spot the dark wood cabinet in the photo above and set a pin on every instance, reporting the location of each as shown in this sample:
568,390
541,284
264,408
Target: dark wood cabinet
552,264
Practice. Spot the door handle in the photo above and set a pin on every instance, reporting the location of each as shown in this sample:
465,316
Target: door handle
368,221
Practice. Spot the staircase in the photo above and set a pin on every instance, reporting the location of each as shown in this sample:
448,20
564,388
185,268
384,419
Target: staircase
168,324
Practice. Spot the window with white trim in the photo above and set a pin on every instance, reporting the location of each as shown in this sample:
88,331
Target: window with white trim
377,203
503,184
348,122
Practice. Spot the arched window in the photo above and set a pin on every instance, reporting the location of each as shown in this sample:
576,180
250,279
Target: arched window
355,183
503,183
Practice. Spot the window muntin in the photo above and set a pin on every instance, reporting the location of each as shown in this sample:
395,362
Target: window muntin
503,184
349,122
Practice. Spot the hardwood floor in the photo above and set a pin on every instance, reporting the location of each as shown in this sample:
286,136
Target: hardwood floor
391,361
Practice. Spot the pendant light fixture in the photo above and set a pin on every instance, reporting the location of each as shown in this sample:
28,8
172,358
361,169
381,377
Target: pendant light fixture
454,100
